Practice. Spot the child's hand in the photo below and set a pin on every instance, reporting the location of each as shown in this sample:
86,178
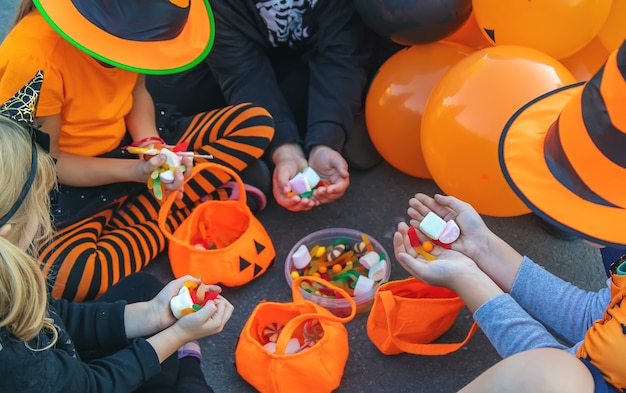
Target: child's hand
179,177
145,168
493,256
474,232
451,269
161,302
333,168
288,161
207,321
444,271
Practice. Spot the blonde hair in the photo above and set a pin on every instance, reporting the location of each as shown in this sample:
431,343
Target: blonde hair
23,291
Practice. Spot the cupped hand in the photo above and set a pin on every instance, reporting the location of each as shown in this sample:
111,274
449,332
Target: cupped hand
333,168
289,161
444,271
207,321
474,231
160,304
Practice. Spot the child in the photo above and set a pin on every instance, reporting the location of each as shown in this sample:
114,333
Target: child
42,340
94,102
554,336
306,62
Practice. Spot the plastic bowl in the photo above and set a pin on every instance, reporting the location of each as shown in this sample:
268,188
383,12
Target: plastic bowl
326,238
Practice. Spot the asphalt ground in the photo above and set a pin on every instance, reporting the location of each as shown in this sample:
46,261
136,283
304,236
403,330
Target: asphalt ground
375,202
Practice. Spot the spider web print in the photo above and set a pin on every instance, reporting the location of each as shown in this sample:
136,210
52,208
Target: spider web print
21,107
284,20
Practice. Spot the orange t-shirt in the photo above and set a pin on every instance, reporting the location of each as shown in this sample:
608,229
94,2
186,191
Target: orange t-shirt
605,341
91,98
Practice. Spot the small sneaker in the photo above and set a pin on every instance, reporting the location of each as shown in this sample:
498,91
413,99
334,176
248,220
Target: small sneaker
192,349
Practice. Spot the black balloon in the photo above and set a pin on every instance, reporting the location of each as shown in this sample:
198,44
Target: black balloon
414,22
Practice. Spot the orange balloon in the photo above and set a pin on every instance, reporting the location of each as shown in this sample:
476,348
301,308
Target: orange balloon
396,98
586,62
559,28
470,34
613,32
466,113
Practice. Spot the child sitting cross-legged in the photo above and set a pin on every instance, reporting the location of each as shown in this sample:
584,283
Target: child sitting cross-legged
127,341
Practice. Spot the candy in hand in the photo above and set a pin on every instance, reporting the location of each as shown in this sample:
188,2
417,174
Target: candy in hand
305,182
437,229
191,298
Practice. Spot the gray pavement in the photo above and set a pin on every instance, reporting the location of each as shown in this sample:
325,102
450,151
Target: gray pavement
375,202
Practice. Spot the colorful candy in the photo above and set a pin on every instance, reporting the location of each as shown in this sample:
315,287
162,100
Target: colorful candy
312,333
191,298
342,264
272,331
303,183
437,229
417,246
165,173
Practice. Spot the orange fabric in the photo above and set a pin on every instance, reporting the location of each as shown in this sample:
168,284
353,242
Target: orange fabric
317,369
605,341
189,48
613,89
522,152
407,315
91,98
587,159
238,248
125,237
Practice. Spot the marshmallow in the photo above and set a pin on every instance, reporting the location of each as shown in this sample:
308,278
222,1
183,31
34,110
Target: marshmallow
181,302
363,285
301,257
377,272
370,259
304,181
450,233
432,225
312,178
299,184
167,176
173,161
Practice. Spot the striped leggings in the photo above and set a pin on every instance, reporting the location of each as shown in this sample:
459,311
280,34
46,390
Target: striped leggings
85,258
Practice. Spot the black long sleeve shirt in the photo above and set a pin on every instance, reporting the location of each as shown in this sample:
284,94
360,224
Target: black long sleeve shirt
328,34
81,327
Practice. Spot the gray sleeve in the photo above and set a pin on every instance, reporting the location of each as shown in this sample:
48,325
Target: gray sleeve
562,307
542,311
510,329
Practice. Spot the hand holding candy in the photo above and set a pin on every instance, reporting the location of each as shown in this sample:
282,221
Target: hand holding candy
208,320
191,298
473,233
444,269
145,171
305,182
333,169
165,174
